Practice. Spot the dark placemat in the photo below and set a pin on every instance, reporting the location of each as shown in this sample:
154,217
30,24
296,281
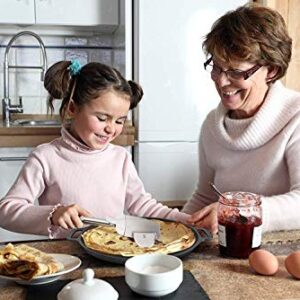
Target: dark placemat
189,289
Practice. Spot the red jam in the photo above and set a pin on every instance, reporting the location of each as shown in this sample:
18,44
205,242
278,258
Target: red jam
240,220
239,237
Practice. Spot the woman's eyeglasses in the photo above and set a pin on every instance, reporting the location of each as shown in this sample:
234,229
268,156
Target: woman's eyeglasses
235,75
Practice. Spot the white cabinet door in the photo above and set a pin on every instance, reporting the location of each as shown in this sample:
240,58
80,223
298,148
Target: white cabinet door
60,12
77,12
168,170
17,12
11,162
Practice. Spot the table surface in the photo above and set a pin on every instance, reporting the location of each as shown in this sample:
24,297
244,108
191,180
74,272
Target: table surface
222,278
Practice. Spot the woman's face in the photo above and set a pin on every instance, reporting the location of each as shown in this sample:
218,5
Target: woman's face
101,120
242,97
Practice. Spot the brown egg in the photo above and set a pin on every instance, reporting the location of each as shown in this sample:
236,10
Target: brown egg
292,264
263,262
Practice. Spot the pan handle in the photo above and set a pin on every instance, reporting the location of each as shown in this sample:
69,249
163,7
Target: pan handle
204,234
71,234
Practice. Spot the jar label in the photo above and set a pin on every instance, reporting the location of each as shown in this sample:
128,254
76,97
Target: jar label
256,239
222,235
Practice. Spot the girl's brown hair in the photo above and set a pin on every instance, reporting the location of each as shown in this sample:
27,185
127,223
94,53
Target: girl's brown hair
251,33
93,79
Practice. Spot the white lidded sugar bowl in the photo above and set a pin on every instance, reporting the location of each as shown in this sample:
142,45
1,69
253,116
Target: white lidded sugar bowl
88,287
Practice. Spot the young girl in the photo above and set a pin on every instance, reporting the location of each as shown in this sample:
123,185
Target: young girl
81,173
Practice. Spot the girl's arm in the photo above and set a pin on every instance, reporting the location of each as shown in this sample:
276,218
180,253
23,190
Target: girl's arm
17,209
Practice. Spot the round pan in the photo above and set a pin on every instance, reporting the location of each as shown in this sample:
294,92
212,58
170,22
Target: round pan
119,259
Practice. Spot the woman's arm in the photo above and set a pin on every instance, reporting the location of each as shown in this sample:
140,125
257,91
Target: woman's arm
281,212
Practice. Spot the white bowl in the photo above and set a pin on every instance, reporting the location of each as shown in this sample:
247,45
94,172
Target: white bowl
153,275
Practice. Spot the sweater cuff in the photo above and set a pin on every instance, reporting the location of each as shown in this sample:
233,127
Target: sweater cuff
53,229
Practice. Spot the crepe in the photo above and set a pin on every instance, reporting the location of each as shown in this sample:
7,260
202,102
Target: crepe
174,237
26,262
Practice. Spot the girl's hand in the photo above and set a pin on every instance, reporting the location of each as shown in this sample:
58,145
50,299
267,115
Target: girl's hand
69,216
206,218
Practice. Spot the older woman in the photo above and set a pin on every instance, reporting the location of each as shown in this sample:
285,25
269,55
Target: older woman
251,141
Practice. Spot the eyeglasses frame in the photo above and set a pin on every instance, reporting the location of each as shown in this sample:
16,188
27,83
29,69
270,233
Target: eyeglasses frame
246,74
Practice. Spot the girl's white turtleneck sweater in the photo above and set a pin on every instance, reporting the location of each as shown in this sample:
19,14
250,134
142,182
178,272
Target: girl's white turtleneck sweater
65,171
260,155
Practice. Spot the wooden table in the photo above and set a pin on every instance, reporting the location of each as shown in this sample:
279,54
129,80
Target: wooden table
222,278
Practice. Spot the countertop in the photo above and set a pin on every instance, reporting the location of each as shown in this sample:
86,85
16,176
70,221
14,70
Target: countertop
31,136
221,278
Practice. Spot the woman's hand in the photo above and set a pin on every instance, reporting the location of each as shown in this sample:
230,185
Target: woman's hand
206,217
69,216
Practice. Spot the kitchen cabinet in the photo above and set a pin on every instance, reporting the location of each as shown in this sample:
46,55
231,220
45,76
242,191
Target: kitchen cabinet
11,162
77,12
59,12
17,12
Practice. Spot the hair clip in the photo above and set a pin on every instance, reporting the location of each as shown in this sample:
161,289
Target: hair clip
74,67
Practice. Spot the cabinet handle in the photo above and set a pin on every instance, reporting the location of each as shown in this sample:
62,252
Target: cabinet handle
13,158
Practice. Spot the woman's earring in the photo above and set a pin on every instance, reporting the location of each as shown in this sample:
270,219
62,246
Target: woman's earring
272,74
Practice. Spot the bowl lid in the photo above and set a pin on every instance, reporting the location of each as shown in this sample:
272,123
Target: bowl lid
88,287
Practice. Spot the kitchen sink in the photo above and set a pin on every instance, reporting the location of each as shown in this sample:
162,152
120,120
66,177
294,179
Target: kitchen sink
30,122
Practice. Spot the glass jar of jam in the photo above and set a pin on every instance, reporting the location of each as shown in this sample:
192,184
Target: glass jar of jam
239,224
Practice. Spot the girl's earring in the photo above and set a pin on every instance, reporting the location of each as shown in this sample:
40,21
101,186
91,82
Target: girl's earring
68,117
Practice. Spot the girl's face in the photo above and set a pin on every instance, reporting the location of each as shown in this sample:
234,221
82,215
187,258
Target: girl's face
242,97
101,120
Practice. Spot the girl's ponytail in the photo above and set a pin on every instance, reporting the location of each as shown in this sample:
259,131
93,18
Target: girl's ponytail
137,93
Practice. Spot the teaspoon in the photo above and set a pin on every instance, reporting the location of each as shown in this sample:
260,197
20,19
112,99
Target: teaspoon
217,191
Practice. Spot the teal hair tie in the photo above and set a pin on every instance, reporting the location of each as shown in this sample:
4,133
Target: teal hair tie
74,67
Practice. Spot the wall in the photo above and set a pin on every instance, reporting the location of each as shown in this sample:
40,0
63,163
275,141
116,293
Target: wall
104,47
290,10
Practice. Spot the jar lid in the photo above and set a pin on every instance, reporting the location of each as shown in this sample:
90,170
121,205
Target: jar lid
89,288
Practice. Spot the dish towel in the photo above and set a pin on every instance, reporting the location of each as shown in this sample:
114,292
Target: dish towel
189,287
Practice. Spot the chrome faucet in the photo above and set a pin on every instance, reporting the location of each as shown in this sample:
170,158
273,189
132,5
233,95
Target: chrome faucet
7,107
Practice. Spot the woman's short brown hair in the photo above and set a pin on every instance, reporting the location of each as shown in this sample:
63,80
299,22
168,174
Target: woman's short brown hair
251,33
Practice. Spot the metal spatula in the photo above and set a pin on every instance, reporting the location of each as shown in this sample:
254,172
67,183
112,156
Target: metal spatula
143,231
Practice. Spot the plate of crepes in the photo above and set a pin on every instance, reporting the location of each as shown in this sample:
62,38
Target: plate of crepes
26,265
103,242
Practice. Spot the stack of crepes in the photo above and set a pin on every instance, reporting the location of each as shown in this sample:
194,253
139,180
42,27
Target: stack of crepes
26,262
174,237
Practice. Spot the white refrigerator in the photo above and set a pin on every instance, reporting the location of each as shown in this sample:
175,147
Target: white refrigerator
178,93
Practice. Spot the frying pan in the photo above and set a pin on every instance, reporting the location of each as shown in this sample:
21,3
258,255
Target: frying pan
119,259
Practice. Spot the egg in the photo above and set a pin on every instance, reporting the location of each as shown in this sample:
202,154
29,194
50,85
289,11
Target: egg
263,262
292,264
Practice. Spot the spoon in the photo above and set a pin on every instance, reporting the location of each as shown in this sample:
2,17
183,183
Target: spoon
243,219
217,191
